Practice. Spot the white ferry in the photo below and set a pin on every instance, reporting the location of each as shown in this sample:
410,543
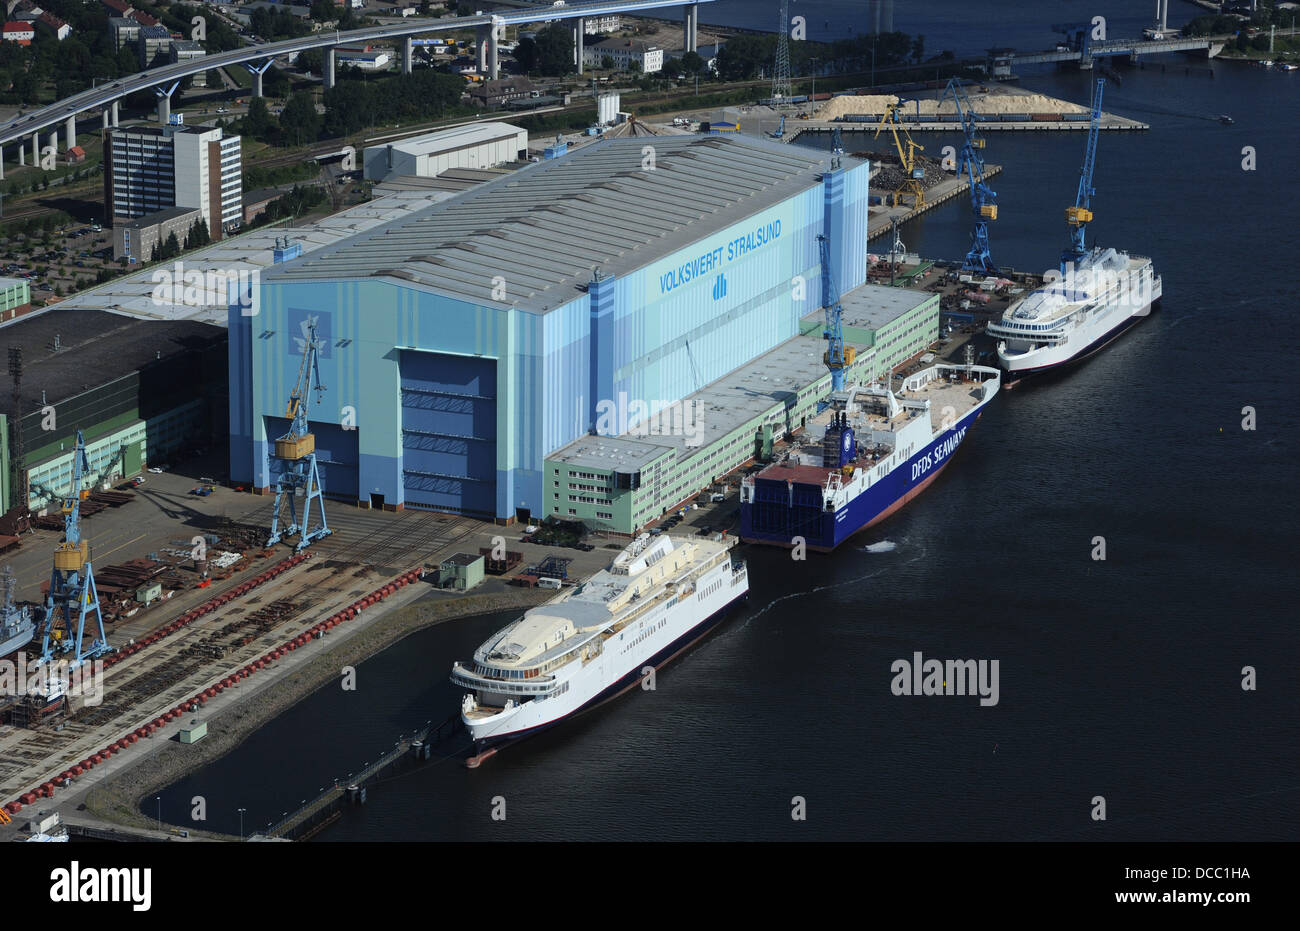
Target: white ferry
1069,319
595,641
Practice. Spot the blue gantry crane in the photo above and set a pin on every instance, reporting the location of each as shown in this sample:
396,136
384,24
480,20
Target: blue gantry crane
293,459
837,357
73,598
1080,214
983,199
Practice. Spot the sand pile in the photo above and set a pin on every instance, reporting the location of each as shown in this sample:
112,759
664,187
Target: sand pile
991,104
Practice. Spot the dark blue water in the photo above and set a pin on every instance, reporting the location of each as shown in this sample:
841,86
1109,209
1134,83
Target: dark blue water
1118,678
967,28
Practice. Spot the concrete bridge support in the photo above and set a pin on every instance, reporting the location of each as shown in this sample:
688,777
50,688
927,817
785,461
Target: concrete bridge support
115,113
165,102
257,71
480,48
579,42
691,28
70,131
327,67
408,54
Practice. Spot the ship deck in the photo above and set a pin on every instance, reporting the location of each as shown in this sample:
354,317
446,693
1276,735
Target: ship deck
950,401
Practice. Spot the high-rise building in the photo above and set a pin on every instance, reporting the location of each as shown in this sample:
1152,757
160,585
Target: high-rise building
152,168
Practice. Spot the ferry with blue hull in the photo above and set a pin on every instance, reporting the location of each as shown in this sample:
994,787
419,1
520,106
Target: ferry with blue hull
592,643
866,455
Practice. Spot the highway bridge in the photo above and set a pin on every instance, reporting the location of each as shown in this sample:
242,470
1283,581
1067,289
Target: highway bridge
165,80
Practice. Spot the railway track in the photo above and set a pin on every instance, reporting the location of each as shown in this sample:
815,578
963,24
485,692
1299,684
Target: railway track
368,550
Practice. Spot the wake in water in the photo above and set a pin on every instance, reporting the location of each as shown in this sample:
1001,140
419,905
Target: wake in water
884,546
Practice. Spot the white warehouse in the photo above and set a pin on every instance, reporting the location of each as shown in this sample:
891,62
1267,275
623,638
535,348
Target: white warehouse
478,145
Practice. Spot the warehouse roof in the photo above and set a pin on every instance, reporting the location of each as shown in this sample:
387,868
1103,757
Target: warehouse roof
454,139
871,306
243,254
66,352
546,228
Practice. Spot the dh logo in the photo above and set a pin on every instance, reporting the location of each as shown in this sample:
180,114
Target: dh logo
720,287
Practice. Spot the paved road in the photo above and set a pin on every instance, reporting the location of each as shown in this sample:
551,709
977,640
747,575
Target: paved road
104,95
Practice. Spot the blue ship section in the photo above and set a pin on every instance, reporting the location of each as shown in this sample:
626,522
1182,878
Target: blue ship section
782,511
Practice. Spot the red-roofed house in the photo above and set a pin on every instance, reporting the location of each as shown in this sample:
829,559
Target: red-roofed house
57,26
144,19
117,7
22,33
76,155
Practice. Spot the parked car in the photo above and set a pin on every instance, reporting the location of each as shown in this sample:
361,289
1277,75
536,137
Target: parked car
158,469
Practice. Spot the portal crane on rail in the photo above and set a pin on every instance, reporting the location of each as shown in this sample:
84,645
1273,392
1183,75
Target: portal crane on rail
983,199
293,458
73,598
1080,214
913,173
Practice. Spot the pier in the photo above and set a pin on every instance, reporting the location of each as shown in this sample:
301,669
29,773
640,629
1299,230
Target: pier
881,219
327,807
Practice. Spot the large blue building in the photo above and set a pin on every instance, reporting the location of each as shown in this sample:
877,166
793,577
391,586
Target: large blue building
462,344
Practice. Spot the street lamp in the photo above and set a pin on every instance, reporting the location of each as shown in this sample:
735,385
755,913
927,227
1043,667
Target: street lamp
241,824
873,61
812,103
158,799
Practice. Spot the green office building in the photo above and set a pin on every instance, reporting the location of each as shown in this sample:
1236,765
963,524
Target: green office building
647,458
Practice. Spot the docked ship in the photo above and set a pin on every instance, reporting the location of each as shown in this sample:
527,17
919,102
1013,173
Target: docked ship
1069,319
1098,294
868,453
17,623
595,641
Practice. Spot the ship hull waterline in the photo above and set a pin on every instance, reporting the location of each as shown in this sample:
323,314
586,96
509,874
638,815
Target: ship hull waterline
1013,377
485,747
874,505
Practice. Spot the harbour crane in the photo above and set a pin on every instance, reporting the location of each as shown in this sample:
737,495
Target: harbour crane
837,357
779,132
913,174
73,598
983,200
1080,214
293,459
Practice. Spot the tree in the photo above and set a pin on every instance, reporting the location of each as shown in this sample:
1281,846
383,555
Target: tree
918,48
672,67
197,236
607,63
257,122
299,120
312,60
526,55
555,50
634,66
171,247
692,63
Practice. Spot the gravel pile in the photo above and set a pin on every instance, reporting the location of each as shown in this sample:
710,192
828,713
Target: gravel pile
891,174
991,104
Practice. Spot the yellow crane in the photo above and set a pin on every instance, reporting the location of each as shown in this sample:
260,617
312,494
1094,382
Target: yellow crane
913,174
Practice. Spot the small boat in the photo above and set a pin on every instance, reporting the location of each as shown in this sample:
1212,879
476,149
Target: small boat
1225,119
